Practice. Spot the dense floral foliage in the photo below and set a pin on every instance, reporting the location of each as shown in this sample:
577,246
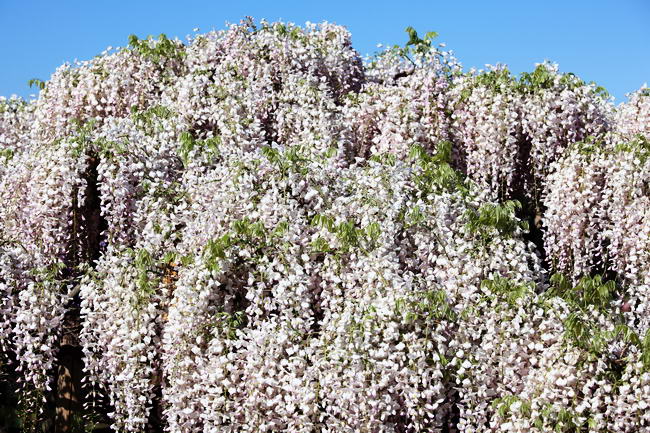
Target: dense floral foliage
258,231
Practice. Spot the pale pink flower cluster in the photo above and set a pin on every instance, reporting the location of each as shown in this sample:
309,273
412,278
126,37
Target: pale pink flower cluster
487,129
392,115
16,117
508,132
562,112
110,85
574,227
597,219
633,116
40,231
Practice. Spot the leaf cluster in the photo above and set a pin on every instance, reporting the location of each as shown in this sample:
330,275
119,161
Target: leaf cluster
497,80
7,154
347,233
501,80
146,119
500,217
593,292
40,84
244,232
589,291
290,160
293,32
428,306
503,405
419,45
507,290
188,144
158,51
435,172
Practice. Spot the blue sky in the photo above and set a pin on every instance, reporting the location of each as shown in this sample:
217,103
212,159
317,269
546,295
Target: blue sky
603,41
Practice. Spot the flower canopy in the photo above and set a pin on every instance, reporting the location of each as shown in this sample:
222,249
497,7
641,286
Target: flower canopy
257,230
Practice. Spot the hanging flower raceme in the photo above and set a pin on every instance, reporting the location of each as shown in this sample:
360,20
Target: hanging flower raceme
16,117
575,227
557,110
596,219
633,116
487,131
43,232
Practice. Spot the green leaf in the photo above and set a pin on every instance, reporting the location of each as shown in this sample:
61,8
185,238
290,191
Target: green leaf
36,82
413,36
430,35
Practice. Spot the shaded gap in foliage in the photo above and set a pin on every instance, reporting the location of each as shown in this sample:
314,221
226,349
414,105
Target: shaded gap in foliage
89,240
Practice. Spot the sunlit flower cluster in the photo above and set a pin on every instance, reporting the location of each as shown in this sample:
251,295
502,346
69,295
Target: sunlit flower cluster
508,132
256,231
633,116
597,218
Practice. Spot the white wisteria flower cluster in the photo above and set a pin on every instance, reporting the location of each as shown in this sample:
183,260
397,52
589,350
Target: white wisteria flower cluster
257,230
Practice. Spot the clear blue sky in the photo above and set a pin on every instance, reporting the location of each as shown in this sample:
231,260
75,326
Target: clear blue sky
603,41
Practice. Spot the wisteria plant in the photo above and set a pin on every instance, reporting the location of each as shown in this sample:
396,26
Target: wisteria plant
257,230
